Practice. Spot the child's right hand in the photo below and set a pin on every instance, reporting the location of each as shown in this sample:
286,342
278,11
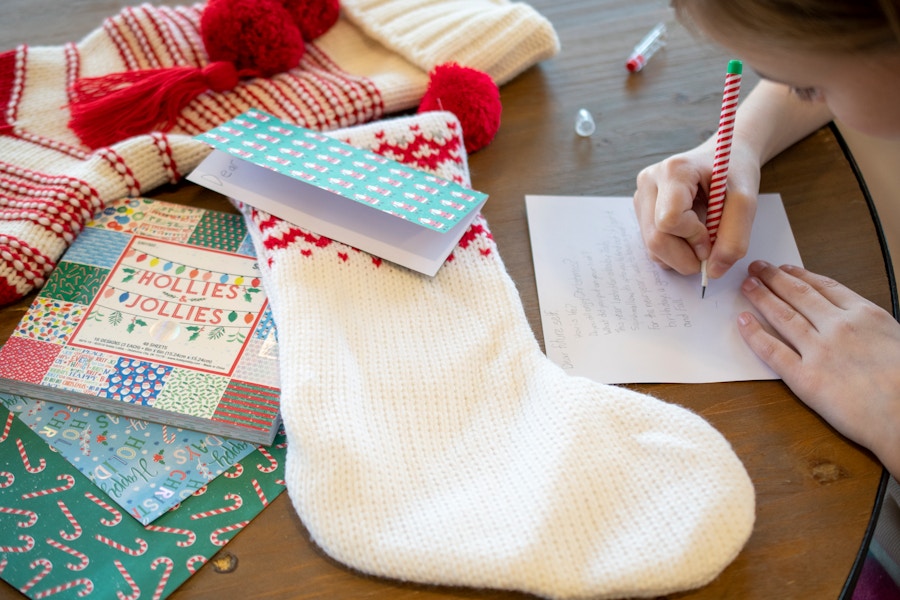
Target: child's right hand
670,202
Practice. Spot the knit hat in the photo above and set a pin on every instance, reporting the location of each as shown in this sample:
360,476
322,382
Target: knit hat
373,61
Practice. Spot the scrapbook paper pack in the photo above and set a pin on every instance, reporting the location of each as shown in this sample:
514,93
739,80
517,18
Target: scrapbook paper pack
60,533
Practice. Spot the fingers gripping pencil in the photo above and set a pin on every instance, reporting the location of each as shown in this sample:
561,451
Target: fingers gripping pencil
725,133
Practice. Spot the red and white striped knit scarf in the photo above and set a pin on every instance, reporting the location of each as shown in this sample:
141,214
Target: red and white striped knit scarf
368,65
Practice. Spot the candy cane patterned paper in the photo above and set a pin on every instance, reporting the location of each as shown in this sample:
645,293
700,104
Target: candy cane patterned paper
60,533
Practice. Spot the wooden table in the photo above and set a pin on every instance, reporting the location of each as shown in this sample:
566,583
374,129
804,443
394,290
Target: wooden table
815,490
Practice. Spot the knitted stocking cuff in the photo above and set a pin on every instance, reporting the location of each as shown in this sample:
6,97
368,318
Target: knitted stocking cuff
431,141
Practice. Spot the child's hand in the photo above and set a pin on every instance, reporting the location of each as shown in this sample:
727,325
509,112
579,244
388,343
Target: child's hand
836,350
670,203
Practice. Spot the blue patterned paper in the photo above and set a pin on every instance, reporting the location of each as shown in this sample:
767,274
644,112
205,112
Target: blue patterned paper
97,247
146,468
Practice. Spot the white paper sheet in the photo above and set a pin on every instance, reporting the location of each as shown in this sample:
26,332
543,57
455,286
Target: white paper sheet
611,314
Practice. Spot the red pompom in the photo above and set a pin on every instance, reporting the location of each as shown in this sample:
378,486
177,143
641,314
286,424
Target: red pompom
469,94
313,17
255,35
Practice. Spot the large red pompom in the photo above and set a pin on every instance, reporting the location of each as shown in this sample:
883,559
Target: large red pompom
469,94
313,17
255,35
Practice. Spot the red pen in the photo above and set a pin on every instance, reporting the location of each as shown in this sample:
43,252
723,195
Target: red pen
716,202
646,48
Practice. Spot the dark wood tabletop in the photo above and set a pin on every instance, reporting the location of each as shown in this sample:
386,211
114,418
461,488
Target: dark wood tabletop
815,490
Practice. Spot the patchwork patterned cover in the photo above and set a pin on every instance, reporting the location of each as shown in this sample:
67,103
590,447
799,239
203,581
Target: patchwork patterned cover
156,312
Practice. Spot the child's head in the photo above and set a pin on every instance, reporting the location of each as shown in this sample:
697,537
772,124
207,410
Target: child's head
845,53
808,25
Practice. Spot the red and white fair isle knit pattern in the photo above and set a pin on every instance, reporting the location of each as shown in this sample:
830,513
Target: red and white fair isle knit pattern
431,142
51,185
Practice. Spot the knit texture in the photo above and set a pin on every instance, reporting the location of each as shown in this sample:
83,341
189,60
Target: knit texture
430,440
50,184
494,36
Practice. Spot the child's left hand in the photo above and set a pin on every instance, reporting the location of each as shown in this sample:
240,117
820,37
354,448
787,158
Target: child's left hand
836,350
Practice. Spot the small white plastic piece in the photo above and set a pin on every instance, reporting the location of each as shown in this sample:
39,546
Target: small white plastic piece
584,123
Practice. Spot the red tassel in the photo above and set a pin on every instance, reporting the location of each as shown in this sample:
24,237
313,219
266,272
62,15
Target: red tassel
7,82
114,107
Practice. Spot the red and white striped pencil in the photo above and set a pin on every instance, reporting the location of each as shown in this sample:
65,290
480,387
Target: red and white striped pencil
723,154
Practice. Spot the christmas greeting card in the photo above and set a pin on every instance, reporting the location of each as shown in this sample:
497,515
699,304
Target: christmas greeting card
354,196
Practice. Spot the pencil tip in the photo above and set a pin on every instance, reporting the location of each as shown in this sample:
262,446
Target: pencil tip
703,292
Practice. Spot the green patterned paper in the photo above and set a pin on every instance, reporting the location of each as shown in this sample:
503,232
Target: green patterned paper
60,535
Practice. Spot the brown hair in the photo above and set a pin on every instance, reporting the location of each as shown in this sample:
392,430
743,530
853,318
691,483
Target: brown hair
817,25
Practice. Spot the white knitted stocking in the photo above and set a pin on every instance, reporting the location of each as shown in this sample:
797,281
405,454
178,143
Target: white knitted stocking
430,439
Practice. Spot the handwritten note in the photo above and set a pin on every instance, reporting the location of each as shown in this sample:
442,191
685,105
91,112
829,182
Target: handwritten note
611,314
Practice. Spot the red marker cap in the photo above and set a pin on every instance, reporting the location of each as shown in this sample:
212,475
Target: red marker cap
635,63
